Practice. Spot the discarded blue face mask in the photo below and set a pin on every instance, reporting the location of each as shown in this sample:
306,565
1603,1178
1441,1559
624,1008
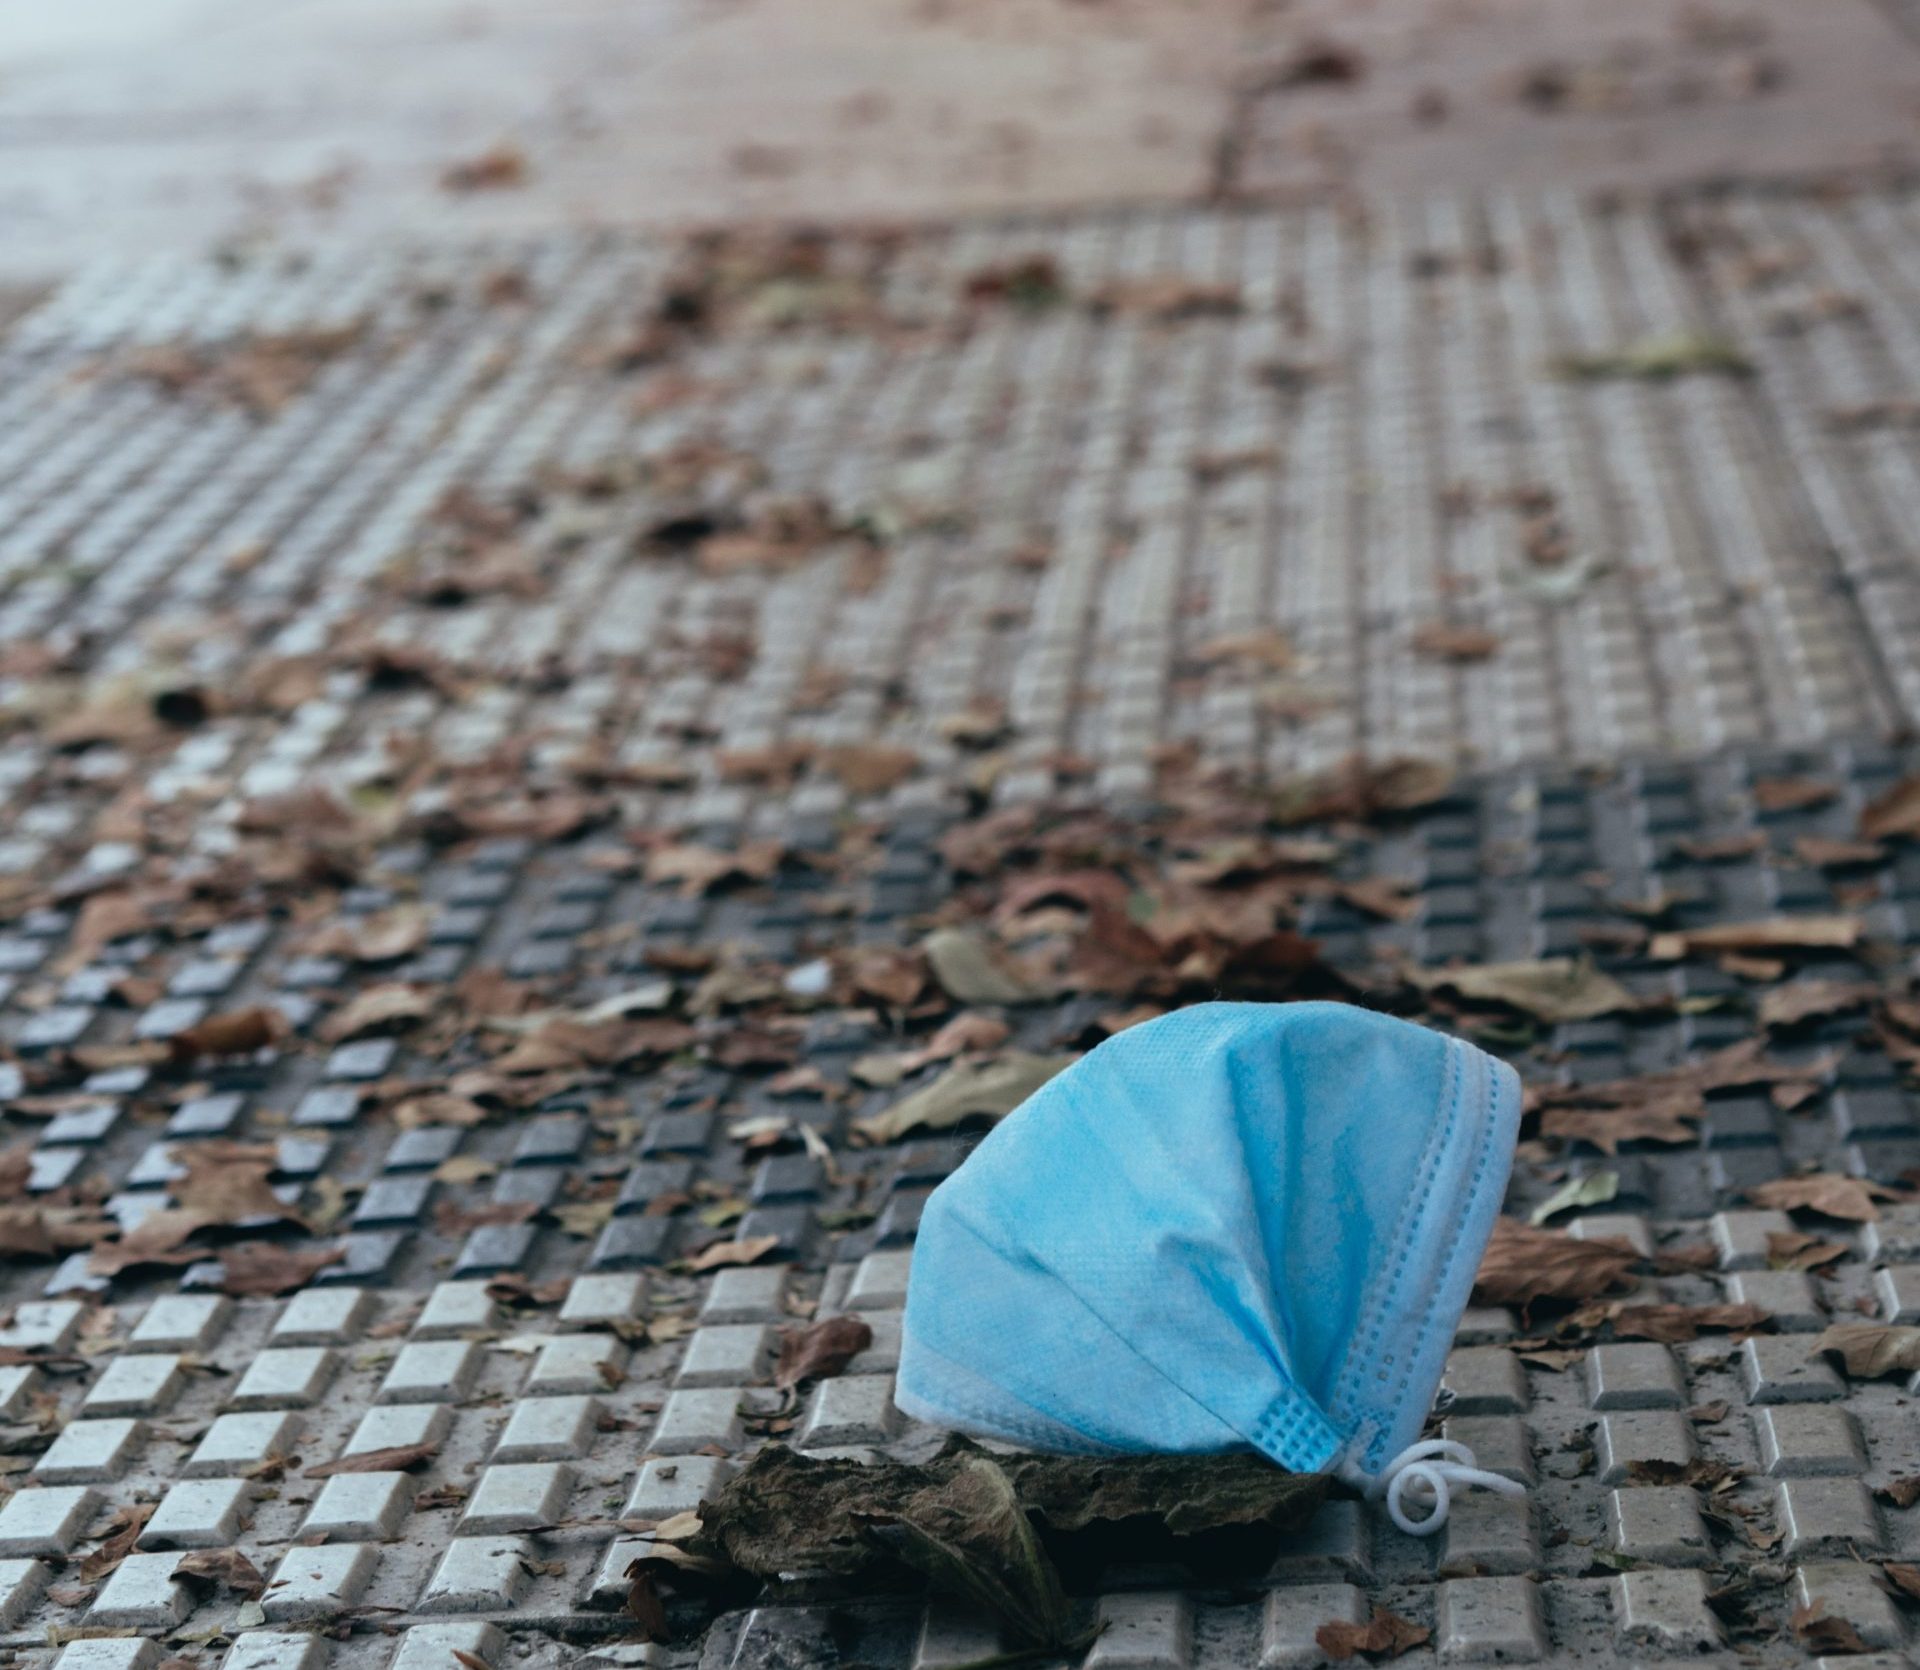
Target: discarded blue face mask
1239,1225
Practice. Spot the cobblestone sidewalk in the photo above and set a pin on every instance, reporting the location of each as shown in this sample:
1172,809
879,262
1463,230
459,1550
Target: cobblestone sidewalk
1069,494
371,629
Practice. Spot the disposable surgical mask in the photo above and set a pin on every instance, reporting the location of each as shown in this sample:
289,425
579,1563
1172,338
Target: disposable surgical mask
1238,1225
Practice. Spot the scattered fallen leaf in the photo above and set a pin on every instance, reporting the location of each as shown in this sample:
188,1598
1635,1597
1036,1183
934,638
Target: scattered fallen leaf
753,1248
1801,1001
1870,1349
1444,641
400,1458
989,1088
1819,1633
1893,814
820,1350
226,1567
1523,1264
1828,1193
1384,1635
1554,990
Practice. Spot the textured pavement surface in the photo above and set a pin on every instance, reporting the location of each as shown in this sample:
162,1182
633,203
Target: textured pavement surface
1098,498
575,1374
1272,487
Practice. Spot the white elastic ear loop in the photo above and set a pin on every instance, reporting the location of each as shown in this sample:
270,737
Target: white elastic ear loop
1429,1471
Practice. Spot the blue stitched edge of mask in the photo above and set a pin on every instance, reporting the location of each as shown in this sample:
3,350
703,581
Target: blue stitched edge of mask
1386,1388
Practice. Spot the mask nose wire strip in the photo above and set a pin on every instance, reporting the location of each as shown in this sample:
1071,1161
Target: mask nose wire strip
1429,1472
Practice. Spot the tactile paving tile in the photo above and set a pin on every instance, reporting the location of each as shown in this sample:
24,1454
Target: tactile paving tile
558,1418
1223,529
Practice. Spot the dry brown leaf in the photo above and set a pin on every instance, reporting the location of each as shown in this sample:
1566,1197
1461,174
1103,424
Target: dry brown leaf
1810,1000
1903,1492
1792,794
1776,933
869,767
1870,1349
1819,1633
122,1531
754,1247
820,1350
223,1566
1444,641
239,1032
644,1606
1674,1324
1794,1250
1670,1120
1553,990
379,1011
1895,813
265,1270
1827,852
1384,1635
1828,1193
1523,1264
400,1458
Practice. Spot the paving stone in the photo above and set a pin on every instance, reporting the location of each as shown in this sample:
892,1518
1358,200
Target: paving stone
1778,1370
1485,1380
261,1650
733,1355
199,1513
236,1442
286,1377
436,1372
455,1310
632,1243
1659,1525
1827,1517
1293,1618
577,1363
433,1646
1491,1619
1635,1376
1846,1589
1807,1440
360,1507
549,1429
49,1521
851,1410
694,1419
43,1325
1490,1535
1893,1237
22,1583
108,1653
313,1584
480,1574
318,1316
599,1301
665,1487
880,1282
19,1384
1143,1632
1656,1435
135,1385
90,1452
1788,1296
181,1322
1741,1237
400,1426
1665,1610
518,1497
746,1295
141,1594
1499,1442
